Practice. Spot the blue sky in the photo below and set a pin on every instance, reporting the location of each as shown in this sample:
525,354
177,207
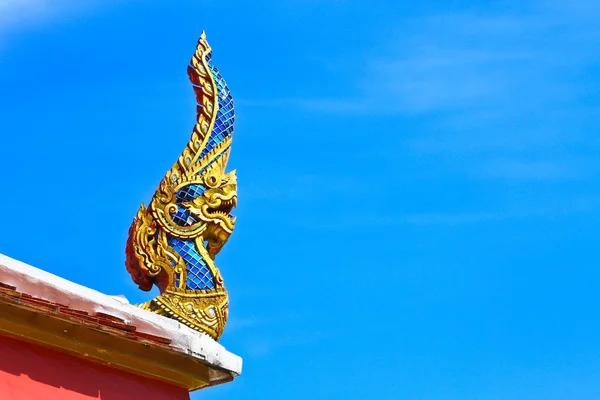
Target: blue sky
419,182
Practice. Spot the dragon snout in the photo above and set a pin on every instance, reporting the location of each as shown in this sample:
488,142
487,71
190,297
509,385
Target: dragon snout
215,207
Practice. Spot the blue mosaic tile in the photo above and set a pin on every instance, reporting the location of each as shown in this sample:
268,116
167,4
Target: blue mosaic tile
225,118
190,192
199,276
183,217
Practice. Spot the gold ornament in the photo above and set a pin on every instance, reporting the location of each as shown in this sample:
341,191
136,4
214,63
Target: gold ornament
173,242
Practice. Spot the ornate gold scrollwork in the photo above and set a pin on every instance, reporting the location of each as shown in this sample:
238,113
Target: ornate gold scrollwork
172,243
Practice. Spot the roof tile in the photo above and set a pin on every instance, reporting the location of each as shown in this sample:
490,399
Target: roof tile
100,321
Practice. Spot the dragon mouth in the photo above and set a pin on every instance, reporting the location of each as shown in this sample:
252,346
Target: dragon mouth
224,208
215,208
219,211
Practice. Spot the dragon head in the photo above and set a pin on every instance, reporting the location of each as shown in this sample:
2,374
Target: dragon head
214,207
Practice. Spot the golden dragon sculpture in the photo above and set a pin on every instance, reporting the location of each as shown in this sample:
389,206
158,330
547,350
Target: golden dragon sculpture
173,242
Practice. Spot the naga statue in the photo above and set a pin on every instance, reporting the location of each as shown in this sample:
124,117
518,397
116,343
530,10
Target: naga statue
173,242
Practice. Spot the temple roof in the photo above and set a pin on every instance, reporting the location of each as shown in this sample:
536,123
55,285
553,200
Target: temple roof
44,309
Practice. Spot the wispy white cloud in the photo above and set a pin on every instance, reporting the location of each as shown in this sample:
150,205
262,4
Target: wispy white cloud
457,62
510,95
550,208
305,187
15,12
569,207
16,15
471,63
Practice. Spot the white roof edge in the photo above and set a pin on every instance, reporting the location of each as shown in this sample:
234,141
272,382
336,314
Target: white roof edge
44,285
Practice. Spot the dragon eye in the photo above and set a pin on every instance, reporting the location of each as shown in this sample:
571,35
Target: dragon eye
211,180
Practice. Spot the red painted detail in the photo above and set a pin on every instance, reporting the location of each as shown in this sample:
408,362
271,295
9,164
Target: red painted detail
31,372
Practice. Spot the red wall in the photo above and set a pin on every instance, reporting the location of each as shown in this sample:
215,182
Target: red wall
30,372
